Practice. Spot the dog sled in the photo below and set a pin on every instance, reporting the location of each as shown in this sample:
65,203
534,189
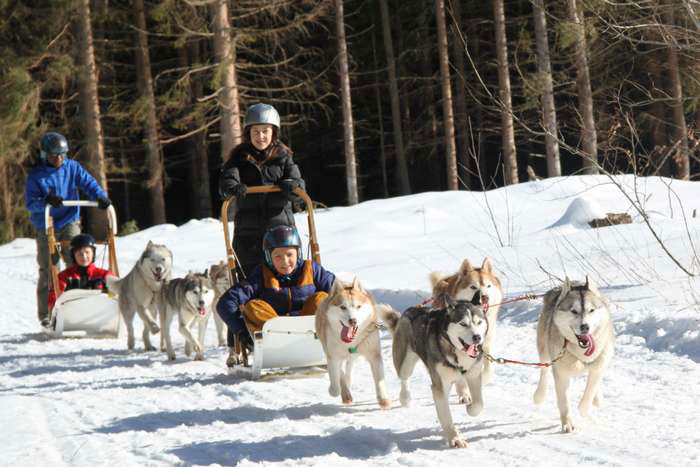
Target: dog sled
80,312
285,341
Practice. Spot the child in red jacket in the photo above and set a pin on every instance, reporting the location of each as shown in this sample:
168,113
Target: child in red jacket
82,274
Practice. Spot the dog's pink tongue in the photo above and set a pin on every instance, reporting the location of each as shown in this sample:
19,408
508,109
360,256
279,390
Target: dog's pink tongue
587,342
347,334
472,350
202,310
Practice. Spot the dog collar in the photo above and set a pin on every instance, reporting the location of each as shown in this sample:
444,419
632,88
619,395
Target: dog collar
352,349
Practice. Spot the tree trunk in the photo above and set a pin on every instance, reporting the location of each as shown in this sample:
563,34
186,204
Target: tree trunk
403,182
348,133
6,203
545,74
680,133
510,161
658,130
585,94
380,119
447,112
462,118
90,111
198,173
225,52
154,154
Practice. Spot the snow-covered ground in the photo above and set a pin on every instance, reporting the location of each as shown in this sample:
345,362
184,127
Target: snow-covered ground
91,402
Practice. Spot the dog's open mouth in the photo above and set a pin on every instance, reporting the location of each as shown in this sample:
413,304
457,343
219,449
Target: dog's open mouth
485,303
157,275
470,349
347,334
586,341
202,310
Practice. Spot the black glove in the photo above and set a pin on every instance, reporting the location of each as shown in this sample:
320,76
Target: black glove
239,190
103,203
287,185
54,200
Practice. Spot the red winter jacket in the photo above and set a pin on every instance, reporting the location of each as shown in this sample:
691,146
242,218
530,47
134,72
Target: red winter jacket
79,277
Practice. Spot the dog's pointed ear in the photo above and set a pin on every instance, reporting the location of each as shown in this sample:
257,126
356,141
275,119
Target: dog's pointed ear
206,273
150,244
565,289
591,285
337,286
476,298
449,301
465,268
486,266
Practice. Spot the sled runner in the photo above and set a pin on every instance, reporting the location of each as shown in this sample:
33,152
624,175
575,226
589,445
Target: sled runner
285,341
80,312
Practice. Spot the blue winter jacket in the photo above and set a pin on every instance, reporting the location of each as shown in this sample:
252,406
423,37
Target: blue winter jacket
64,182
286,294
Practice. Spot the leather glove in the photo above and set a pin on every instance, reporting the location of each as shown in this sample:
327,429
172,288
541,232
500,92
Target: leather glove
287,185
54,200
238,191
103,203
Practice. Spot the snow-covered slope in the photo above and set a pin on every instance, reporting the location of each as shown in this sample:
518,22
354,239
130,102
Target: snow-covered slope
91,402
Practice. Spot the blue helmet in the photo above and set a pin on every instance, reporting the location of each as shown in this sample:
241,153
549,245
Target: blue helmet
53,143
280,236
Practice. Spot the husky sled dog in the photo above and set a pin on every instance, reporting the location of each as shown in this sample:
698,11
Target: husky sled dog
189,299
218,275
346,324
575,331
462,285
448,341
138,291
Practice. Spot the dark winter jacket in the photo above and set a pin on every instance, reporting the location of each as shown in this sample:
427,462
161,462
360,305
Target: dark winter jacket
65,182
79,277
286,294
258,212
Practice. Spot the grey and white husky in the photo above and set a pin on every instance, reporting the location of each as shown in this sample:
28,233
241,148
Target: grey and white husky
138,291
189,299
448,341
575,331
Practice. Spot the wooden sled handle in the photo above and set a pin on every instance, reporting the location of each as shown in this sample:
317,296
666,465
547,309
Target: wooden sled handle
313,242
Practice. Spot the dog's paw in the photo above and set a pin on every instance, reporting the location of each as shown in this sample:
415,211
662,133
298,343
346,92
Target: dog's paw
384,404
155,329
567,426
171,357
347,398
199,357
458,442
474,408
333,391
149,348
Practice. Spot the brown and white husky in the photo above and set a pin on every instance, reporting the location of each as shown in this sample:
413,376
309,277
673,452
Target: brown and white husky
346,324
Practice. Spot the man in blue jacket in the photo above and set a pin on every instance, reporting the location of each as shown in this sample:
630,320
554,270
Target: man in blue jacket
53,179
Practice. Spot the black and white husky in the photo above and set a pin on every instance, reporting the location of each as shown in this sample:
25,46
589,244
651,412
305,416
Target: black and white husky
448,341
189,299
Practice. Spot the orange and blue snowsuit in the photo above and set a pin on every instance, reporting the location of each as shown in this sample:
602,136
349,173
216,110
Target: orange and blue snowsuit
266,294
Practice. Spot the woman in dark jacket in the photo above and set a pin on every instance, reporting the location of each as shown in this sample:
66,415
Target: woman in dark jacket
260,160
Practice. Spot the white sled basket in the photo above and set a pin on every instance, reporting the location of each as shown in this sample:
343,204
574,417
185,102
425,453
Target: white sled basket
86,313
287,342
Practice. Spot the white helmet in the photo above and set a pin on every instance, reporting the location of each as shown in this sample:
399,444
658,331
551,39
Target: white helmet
262,114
